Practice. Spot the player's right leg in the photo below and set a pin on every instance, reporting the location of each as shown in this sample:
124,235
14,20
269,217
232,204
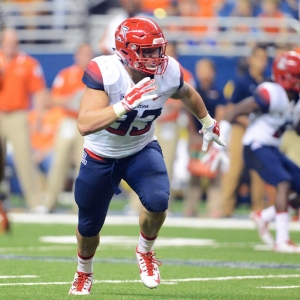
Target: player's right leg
261,220
93,192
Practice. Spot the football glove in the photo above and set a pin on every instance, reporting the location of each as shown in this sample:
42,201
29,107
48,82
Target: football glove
135,96
217,156
211,132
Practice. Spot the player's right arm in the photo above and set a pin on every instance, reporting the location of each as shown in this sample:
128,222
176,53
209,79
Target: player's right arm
95,113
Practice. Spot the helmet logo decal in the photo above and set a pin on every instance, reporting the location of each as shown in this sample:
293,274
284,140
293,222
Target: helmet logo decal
282,63
158,41
124,30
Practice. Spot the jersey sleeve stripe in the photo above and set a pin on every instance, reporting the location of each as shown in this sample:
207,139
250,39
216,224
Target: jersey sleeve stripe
92,77
181,78
262,97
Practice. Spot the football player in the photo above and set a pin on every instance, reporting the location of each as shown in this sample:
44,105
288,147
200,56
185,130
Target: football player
125,93
271,111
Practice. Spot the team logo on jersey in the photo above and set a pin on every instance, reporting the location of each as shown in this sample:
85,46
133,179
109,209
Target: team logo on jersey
83,159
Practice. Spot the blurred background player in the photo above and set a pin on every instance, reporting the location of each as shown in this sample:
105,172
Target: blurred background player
44,121
202,182
21,78
289,146
243,87
66,93
271,108
129,8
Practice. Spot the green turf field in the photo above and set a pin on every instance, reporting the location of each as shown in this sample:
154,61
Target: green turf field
198,263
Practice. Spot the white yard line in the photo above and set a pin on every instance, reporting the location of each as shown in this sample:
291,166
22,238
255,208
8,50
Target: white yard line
130,241
232,223
132,220
34,249
235,278
19,276
280,287
164,281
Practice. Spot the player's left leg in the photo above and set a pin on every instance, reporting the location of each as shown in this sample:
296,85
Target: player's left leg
147,175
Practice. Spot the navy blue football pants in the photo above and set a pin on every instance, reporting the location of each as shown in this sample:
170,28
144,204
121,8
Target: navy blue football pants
272,166
98,180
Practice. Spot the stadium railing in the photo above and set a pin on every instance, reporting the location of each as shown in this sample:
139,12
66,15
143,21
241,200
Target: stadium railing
47,28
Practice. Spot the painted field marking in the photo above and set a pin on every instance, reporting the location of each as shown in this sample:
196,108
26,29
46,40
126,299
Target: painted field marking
263,247
127,240
235,278
19,276
163,281
34,249
280,287
162,242
231,223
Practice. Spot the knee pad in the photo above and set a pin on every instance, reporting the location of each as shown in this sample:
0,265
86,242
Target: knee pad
156,202
89,224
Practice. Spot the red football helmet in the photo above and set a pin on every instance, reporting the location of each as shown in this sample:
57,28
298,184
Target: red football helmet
286,70
141,45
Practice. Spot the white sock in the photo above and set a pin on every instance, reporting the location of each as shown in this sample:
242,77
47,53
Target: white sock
268,214
85,264
291,210
281,225
145,244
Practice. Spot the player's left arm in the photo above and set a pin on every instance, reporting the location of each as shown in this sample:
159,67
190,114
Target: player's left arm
194,103
191,100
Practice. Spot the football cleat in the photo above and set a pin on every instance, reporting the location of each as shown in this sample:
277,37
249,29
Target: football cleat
4,222
82,284
148,266
262,228
287,247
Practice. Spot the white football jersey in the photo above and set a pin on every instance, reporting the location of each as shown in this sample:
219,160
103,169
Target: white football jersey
267,126
134,130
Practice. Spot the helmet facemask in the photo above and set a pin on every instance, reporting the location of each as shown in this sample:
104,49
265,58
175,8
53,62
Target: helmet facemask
149,59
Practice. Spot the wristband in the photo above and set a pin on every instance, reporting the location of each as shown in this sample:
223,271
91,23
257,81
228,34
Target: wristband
119,109
207,121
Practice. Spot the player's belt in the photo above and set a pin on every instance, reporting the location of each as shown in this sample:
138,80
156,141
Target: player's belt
95,156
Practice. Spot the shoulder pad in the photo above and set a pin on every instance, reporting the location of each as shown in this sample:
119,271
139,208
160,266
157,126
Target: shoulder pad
108,68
